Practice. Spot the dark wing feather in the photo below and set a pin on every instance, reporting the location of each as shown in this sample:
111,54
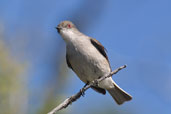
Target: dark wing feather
68,63
99,47
98,89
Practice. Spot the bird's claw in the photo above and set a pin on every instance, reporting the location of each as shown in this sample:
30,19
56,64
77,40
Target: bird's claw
82,92
96,83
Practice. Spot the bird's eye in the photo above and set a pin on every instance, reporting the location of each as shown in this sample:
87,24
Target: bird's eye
69,26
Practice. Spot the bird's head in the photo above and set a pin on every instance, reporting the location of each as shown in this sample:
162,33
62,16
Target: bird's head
68,31
65,26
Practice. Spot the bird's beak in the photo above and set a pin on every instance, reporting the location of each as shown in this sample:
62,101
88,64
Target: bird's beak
58,28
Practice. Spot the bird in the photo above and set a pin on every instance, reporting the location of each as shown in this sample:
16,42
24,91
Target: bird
88,59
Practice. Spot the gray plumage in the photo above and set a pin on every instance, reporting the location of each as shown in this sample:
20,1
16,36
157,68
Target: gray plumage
88,59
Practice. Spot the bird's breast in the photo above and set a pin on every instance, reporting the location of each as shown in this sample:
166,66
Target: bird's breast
87,62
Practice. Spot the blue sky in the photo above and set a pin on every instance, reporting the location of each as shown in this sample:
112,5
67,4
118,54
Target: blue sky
135,32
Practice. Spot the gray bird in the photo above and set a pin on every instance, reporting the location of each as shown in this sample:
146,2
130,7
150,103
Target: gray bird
88,59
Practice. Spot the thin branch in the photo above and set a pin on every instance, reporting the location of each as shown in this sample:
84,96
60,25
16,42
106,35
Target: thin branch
73,98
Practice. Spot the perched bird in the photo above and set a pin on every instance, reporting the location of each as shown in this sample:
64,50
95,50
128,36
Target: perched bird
88,59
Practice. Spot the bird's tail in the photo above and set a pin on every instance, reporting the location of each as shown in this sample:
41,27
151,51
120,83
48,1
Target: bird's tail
119,95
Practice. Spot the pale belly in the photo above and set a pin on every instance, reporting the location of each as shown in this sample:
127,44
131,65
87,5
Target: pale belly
89,65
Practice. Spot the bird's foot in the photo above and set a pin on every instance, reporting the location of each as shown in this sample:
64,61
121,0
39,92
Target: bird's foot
82,90
96,83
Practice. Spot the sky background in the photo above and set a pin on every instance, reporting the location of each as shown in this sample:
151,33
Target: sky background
134,32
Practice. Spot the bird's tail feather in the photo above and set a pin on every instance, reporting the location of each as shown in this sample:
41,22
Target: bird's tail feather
119,95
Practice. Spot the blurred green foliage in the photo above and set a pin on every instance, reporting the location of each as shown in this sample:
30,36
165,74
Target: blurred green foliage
12,85
54,95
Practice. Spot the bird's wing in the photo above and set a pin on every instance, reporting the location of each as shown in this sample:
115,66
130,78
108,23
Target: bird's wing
99,47
99,90
68,63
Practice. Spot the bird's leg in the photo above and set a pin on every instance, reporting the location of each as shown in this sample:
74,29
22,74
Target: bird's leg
86,84
82,91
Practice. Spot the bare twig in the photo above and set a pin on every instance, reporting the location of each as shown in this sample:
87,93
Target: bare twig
73,98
